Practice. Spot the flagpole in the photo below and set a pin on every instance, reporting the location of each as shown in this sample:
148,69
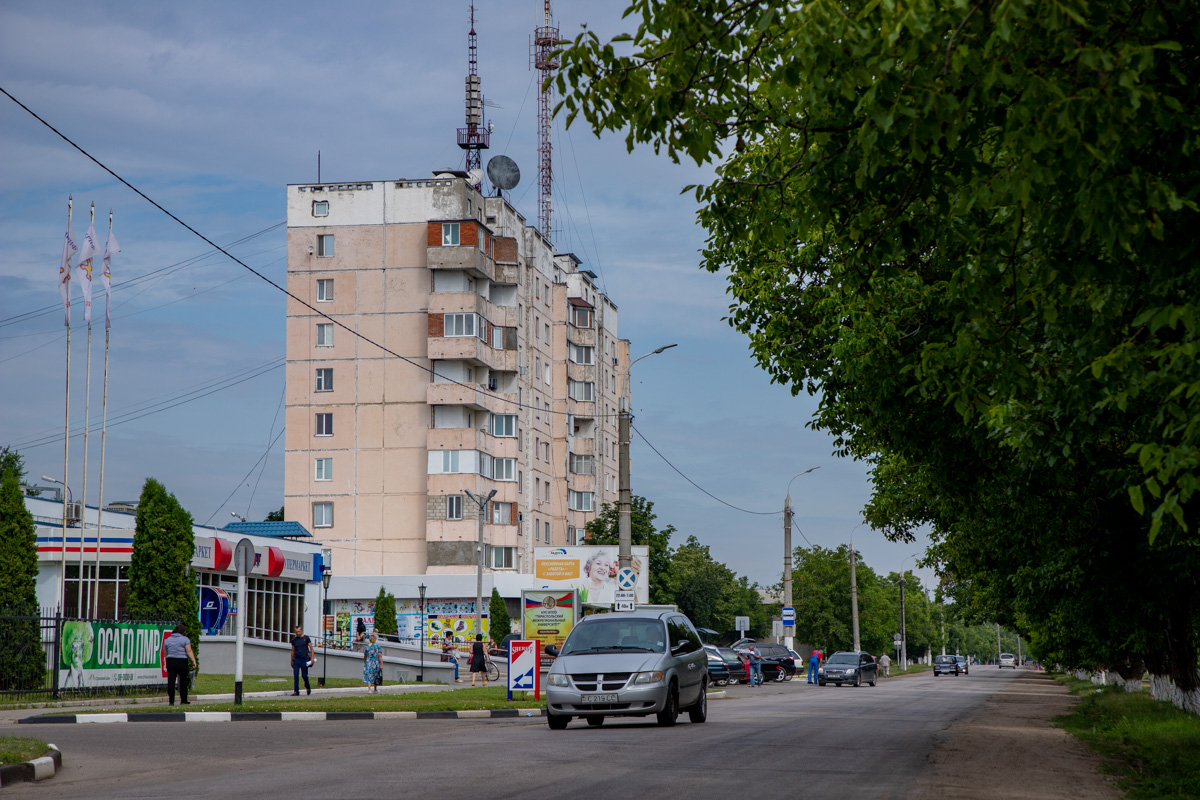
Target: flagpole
87,407
103,438
62,597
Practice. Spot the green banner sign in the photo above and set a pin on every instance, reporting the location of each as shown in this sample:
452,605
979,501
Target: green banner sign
99,654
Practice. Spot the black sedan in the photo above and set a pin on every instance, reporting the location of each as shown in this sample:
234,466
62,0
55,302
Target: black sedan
848,666
777,663
718,670
735,663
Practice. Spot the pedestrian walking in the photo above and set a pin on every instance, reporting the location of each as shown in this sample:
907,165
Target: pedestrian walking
372,665
814,661
449,655
884,663
178,651
756,660
478,659
302,658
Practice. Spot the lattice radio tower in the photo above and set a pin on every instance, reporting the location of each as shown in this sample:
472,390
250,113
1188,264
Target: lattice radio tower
544,59
475,136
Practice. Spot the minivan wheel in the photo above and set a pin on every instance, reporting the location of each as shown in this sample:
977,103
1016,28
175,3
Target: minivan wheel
557,722
670,712
699,711
595,722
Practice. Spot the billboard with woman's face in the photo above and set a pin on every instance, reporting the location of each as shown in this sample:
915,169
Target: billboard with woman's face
591,570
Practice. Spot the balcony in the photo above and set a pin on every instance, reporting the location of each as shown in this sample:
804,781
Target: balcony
462,257
453,394
459,302
471,349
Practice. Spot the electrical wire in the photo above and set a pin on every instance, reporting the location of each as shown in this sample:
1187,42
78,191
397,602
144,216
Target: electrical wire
698,486
300,301
244,478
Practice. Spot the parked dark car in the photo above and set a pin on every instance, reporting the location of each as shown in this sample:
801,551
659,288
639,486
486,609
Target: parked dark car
736,664
948,665
718,670
848,666
777,663
964,664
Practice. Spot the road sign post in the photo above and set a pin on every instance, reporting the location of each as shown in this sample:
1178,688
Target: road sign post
742,624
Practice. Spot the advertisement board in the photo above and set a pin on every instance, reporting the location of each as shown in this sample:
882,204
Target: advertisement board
591,570
548,617
111,654
523,672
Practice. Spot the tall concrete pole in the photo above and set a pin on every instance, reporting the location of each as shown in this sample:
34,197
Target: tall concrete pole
789,631
853,594
478,562
903,629
624,499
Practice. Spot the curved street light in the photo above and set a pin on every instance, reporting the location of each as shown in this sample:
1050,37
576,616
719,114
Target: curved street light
788,638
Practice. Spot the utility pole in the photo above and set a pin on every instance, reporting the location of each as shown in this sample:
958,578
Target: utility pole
478,563
997,643
903,630
789,631
853,594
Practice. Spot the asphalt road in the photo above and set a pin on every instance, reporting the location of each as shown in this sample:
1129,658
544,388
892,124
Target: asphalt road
780,740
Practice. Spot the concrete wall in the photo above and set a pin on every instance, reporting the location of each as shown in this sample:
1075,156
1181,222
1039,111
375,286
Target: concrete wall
400,663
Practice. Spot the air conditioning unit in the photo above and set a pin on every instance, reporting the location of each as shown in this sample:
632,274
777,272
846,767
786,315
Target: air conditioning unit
74,512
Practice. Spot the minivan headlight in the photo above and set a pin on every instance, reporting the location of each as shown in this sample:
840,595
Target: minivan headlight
558,679
642,678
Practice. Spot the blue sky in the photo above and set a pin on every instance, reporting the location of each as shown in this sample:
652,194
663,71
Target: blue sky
211,109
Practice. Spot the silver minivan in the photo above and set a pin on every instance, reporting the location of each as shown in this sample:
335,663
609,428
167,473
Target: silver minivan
628,664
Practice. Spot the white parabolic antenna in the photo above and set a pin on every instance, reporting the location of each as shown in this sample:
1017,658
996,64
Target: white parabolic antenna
474,176
502,171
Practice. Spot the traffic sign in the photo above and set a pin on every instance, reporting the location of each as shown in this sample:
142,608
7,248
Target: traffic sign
741,624
624,601
789,616
626,579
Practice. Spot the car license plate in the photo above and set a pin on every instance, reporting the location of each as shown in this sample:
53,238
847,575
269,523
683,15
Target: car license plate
599,698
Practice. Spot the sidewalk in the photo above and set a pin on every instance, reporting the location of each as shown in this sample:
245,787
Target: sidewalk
1010,748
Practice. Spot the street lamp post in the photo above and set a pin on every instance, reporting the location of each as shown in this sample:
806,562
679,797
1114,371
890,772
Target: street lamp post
788,638
62,595
421,674
903,619
326,575
478,565
854,589
624,531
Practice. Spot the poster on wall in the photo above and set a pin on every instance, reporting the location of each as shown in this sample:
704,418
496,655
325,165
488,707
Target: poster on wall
548,617
455,618
99,654
591,570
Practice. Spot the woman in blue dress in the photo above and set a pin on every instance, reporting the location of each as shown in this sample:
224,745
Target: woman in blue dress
373,665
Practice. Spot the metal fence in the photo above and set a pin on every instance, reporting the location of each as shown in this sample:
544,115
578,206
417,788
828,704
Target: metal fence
31,658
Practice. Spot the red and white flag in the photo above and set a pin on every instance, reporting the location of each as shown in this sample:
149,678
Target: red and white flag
110,248
64,270
84,269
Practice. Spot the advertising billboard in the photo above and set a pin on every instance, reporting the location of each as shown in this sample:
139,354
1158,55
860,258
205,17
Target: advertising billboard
523,672
110,654
547,617
591,570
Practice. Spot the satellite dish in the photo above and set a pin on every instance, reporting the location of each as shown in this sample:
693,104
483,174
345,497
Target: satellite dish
502,171
474,176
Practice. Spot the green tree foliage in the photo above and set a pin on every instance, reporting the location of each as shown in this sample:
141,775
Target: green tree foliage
22,661
499,622
973,227
385,622
711,594
603,530
161,586
275,516
12,462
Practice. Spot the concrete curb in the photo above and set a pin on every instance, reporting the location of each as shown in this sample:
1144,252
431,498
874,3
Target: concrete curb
275,716
39,769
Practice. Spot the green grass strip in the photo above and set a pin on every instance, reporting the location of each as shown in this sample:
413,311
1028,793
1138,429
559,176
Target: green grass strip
19,749
453,700
1152,747
223,684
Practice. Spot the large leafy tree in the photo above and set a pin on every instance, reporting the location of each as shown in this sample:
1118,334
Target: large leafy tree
499,621
161,585
642,531
972,228
711,594
22,661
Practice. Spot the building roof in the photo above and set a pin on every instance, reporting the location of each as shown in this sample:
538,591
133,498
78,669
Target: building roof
271,530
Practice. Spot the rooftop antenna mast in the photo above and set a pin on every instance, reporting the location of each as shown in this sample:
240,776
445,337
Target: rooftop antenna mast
475,136
544,58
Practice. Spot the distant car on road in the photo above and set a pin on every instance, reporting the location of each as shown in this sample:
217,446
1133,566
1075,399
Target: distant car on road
1008,660
964,664
948,665
848,666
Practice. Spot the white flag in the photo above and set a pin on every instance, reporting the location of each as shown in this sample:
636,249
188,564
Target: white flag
64,271
84,269
106,276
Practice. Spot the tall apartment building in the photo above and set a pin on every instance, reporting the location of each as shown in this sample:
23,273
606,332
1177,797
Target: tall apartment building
502,374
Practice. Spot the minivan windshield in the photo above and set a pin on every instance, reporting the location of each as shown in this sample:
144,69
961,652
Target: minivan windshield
616,636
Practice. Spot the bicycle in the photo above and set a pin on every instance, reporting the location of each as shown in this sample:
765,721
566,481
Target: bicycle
493,672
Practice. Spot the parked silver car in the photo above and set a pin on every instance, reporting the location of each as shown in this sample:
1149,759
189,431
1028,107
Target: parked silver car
628,664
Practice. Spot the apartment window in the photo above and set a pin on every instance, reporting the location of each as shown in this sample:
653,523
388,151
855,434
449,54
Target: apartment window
546,452
325,290
324,471
537,530
583,465
576,535
449,234
325,245
485,465
320,208
546,374
465,325
547,488
325,379
325,424
454,506
504,424
501,513
502,557
547,327
504,469
497,337
581,390
582,354
325,334
579,501
322,515
520,481
537,326
451,462
581,317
